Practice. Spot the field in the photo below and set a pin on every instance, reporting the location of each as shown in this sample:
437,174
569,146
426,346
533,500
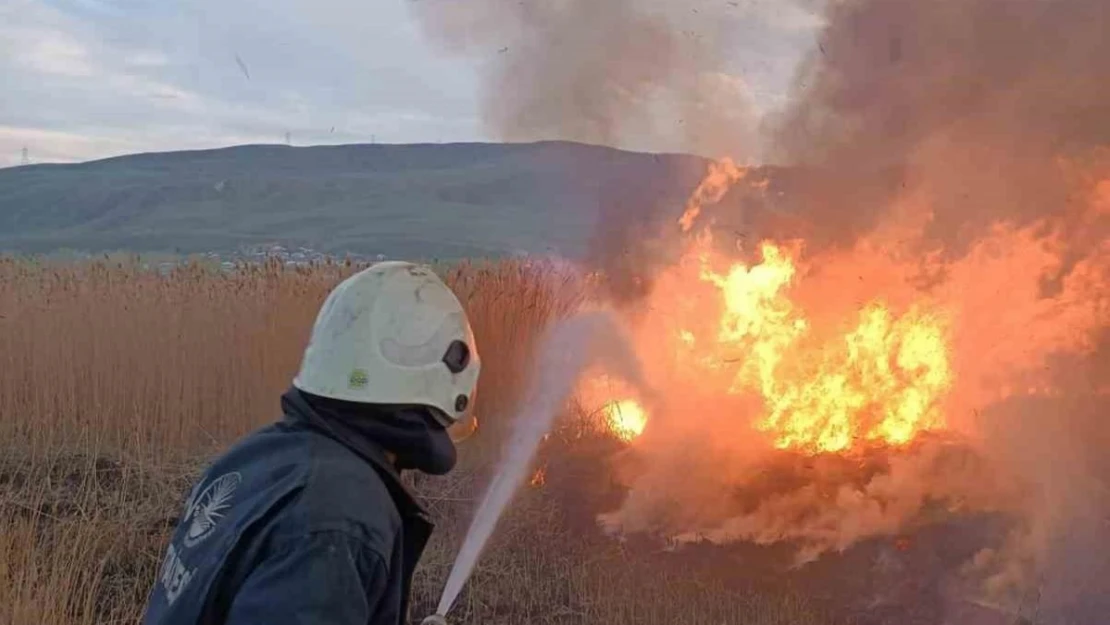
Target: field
117,383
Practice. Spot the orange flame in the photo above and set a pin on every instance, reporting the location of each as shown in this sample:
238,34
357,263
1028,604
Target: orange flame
823,387
879,381
626,418
722,176
848,353
539,478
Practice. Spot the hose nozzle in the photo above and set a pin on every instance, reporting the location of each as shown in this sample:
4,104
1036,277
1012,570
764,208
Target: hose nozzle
435,619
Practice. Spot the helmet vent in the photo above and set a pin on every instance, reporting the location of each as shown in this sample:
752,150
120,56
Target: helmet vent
457,356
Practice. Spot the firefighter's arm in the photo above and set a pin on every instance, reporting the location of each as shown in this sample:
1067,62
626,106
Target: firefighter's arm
326,578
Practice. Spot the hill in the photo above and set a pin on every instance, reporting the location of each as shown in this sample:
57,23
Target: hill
443,201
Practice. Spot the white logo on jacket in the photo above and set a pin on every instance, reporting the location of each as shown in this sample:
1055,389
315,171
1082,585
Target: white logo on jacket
175,576
207,508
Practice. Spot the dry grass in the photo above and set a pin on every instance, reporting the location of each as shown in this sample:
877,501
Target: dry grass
118,382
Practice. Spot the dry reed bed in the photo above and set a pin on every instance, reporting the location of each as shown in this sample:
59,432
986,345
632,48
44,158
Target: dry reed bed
118,381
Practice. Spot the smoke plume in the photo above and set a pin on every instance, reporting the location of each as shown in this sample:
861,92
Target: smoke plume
638,74
649,75
971,102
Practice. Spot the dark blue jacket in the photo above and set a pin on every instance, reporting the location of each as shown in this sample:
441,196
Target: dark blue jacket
300,522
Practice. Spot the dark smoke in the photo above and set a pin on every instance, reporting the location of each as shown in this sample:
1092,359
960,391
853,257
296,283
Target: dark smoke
969,101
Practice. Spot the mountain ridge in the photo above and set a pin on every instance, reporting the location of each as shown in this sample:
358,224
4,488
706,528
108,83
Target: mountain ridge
429,200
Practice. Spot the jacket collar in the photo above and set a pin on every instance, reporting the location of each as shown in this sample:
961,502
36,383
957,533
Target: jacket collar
299,412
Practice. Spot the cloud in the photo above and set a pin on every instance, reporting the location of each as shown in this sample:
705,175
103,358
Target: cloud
112,75
87,79
50,52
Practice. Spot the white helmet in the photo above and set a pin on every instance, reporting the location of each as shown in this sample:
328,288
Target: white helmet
394,334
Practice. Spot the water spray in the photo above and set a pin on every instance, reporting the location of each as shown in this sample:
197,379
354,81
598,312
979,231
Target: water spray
566,351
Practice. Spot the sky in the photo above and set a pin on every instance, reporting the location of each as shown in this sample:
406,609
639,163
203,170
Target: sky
87,79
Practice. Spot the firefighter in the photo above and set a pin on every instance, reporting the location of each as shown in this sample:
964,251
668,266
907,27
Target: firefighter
306,520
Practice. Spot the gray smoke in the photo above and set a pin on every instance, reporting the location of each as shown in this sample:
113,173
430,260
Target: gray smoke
972,102
626,73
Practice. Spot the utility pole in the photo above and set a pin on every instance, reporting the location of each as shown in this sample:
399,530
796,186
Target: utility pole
25,157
